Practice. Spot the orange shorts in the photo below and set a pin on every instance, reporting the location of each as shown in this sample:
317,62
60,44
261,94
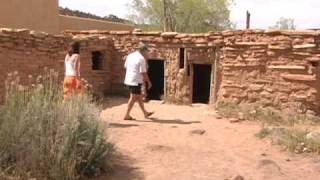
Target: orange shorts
70,85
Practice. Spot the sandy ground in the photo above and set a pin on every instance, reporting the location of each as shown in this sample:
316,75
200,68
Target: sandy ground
164,148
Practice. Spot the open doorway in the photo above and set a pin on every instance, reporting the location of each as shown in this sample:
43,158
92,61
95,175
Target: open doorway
156,75
201,83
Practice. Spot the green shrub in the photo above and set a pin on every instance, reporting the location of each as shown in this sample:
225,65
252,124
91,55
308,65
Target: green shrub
43,137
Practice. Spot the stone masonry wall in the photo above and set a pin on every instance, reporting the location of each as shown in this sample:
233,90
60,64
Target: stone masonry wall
30,52
275,68
163,46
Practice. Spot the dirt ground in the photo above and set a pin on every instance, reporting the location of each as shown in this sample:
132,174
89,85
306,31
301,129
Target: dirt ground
183,143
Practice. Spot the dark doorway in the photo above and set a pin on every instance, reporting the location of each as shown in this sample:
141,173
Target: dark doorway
201,83
156,75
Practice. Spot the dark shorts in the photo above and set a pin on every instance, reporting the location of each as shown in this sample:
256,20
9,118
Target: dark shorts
135,89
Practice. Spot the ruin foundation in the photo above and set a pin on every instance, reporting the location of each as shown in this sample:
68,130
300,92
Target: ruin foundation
274,68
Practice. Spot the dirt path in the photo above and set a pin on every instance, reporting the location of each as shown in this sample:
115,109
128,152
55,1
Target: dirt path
165,149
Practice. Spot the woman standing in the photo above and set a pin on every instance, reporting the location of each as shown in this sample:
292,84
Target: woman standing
72,82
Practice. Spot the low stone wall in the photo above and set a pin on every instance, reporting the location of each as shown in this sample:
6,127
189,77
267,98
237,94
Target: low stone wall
30,52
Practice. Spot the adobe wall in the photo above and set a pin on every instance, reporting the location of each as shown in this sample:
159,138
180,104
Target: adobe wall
40,15
43,15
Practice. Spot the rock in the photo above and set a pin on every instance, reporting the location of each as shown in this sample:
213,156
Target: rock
218,116
169,34
241,116
137,30
238,177
310,113
313,136
198,132
263,154
234,120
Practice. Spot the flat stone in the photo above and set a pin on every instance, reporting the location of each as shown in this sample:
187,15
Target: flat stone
38,34
169,34
120,32
251,43
156,33
234,120
298,77
198,132
287,67
304,46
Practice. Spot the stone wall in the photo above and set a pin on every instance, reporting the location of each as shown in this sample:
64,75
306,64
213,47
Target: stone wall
30,52
200,49
274,68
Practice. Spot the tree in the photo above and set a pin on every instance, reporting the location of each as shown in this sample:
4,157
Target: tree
182,15
285,23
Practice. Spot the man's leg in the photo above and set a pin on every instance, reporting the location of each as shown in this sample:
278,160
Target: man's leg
131,102
141,104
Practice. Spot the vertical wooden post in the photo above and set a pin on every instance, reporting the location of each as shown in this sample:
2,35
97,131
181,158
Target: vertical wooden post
215,75
248,20
166,16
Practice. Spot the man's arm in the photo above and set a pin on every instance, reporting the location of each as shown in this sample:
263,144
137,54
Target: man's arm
147,79
143,71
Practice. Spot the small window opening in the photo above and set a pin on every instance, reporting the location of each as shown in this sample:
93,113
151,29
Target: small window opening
182,57
97,60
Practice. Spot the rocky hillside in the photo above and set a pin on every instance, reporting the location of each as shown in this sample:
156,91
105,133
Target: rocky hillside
112,18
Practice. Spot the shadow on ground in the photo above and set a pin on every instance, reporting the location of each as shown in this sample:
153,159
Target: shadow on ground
121,167
167,121
118,125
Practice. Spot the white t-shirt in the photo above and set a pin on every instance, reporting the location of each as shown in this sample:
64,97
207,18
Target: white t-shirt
70,65
135,65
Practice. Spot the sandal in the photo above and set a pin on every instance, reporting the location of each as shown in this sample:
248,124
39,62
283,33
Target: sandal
149,114
129,118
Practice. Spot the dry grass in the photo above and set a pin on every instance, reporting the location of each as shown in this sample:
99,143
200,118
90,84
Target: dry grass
287,134
42,137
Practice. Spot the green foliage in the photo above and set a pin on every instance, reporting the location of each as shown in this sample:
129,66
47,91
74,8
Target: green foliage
184,15
263,133
285,24
43,137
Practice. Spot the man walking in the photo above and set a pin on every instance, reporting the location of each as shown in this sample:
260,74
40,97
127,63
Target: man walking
136,75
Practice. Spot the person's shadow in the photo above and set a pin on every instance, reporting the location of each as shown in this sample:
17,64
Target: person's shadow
121,167
167,121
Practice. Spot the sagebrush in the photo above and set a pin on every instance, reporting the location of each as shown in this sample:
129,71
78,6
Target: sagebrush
44,137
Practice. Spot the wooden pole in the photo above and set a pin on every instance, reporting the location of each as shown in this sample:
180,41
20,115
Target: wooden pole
166,15
248,19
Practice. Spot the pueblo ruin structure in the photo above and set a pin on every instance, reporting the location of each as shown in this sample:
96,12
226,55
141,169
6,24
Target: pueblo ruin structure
243,66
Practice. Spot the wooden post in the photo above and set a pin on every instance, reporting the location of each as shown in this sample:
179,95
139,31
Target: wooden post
166,16
248,19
